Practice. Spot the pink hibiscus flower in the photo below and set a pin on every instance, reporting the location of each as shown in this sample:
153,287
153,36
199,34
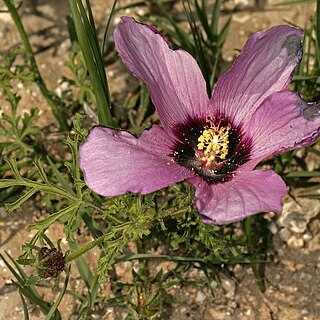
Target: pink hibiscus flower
215,143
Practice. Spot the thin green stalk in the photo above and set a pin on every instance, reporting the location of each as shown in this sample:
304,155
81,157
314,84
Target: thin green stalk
82,265
198,45
107,26
318,21
142,262
248,230
51,99
139,256
54,308
85,249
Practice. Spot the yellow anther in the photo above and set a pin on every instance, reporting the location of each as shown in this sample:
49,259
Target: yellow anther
214,142
201,146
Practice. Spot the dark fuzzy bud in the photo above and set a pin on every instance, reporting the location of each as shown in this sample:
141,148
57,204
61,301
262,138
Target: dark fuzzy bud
50,263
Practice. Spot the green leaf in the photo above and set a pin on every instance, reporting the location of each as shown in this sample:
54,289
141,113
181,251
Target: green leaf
60,177
310,196
17,204
44,224
302,174
286,3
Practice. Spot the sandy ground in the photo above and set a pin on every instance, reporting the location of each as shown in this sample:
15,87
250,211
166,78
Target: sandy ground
293,268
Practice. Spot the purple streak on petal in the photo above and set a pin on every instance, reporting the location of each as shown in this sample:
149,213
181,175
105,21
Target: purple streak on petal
246,194
115,162
283,122
174,79
264,67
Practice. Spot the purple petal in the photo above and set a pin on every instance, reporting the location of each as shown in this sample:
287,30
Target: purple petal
283,122
246,194
174,79
264,67
115,162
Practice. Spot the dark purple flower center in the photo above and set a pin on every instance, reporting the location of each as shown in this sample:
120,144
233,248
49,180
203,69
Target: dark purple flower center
212,147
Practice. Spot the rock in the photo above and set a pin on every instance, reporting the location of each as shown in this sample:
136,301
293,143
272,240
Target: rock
166,266
229,286
289,265
242,4
273,227
214,283
200,297
3,212
232,304
296,217
237,268
315,226
295,242
284,234
307,236
123,271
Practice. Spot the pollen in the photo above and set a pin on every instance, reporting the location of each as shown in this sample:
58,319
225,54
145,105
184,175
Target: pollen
213,143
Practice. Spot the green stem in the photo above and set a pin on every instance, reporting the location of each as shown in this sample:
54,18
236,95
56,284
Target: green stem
142,262
84,249
248,224
139,256
51,99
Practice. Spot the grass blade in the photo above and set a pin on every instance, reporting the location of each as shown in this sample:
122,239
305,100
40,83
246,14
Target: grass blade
215,17
24,306
54,308
303,174
108,25
89,45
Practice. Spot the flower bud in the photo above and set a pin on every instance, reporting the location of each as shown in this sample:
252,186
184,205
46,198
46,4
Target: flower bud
50,262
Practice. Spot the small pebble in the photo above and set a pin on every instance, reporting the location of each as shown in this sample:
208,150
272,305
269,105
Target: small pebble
295,242
248,312
214,283
307,236
229,286
232,304
273,227
200,297
284,234
289,265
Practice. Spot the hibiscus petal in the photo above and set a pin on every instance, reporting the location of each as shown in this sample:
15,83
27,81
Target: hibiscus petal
115,162
175,82
283,122
244,195
264,67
